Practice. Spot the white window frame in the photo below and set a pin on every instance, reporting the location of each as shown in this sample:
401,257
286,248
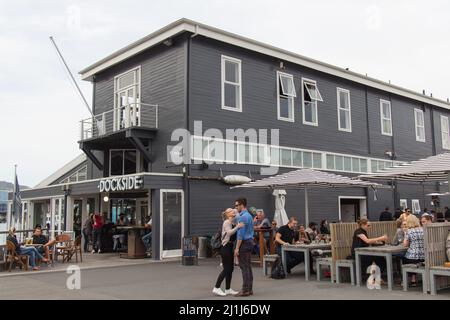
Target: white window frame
123,162
316,109
279,94
137,91
445,135
382,118
416,112
405,202
415,203
345,91
224,59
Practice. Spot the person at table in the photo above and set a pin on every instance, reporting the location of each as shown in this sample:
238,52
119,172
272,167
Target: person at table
301,235
261,221
97,233
324,227
32,252
426,219
405,214
119,236
312,231
386,215
447,214
45,243
286,235
397,213
87,231
414,241
400,233
226,252
147,238
361,240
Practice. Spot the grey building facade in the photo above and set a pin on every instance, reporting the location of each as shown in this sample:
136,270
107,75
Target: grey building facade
186,73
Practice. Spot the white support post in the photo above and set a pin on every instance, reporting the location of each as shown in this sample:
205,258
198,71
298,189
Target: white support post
306,208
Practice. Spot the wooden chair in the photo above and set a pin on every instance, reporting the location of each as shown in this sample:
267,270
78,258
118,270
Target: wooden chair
12,257
74,248
63,246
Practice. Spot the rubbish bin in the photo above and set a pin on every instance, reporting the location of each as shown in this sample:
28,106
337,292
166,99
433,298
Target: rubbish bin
190,251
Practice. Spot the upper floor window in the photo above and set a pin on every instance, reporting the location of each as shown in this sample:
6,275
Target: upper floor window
420,125
122,162
445,133
79,175
286,94
127,92
386,117
311,96
344,110
231,84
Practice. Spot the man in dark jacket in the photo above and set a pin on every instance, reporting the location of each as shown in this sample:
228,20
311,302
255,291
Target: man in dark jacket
386,215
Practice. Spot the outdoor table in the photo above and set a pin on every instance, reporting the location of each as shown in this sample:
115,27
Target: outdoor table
136,248
262,242
306,250
385,251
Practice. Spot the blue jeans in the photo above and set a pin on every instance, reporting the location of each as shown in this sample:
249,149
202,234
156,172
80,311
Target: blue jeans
33,253
147,239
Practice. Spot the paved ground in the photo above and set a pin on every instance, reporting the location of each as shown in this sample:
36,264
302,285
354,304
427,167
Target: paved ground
171,280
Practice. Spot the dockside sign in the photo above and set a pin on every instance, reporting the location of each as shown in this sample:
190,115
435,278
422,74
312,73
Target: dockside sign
121,184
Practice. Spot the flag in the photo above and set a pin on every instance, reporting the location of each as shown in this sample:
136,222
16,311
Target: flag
17,200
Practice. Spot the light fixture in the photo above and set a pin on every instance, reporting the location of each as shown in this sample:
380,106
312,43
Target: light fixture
105,198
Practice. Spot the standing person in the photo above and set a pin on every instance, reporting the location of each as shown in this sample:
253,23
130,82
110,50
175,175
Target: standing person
426,219
87,231
97,233
244,247
147,238
226,252
385,215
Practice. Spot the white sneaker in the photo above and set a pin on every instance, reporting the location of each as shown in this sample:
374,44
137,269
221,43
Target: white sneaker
93,251
231,292
219,292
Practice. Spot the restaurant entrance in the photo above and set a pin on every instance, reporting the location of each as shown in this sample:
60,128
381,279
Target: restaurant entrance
134,209
171,222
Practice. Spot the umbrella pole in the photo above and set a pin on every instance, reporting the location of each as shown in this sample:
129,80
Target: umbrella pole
306,208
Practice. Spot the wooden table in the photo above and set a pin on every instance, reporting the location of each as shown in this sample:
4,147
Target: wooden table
386,251
136,248
262,242
306,250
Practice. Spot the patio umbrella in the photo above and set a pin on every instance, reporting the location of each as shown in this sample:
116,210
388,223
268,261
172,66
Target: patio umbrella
305,179
280,215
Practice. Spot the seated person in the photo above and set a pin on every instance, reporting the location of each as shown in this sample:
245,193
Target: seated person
22,250
400,234
302,235
312,232
260,221
426,219
147,238
414,241
119,236
286,235
39,238
361,240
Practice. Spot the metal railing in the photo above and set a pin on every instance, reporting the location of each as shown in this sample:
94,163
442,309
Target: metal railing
132,115
22,235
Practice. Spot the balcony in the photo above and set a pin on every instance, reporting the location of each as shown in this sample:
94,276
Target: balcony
129,126
118,119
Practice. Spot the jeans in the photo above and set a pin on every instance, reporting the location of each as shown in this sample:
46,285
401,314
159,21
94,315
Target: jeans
97,239
245,262
33,253
118,238
228,266
86,236
147,240
292,258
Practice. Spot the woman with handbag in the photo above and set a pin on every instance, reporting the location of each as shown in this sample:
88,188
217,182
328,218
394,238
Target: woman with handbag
226,252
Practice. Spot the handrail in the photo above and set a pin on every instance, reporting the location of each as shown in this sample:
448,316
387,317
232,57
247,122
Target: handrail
122,107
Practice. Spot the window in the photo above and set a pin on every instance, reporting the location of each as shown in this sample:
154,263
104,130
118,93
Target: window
286,94
127,92
445,133
403,204
122,162
79,175
420,125
344,110
311,96
231,84
415,206
386,118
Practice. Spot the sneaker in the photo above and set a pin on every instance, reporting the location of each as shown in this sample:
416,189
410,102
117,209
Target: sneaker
93,251
99,251
230,291
219,292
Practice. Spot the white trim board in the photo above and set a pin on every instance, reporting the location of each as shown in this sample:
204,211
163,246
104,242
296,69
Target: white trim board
186,25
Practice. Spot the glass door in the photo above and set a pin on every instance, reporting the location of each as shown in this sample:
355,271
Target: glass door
172,222
127,113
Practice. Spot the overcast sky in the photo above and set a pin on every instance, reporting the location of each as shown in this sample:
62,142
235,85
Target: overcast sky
406,42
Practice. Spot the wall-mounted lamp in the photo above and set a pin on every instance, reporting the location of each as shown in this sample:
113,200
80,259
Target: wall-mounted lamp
105,198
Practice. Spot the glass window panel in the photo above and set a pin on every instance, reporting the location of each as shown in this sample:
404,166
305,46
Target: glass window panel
313,91
232,95
116,162
243,153
253,153
130,162
126,80
198,148
274,156
231,71
355,165
310,112
307,159
82,174
344,100
344,119
286,157
339,162
73,178
387,126
374,165
317,160
285,107
363,165
297,158
263,156
287,85
347,164
330,161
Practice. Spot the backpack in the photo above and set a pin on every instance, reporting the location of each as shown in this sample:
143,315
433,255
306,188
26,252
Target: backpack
216,241
278,270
